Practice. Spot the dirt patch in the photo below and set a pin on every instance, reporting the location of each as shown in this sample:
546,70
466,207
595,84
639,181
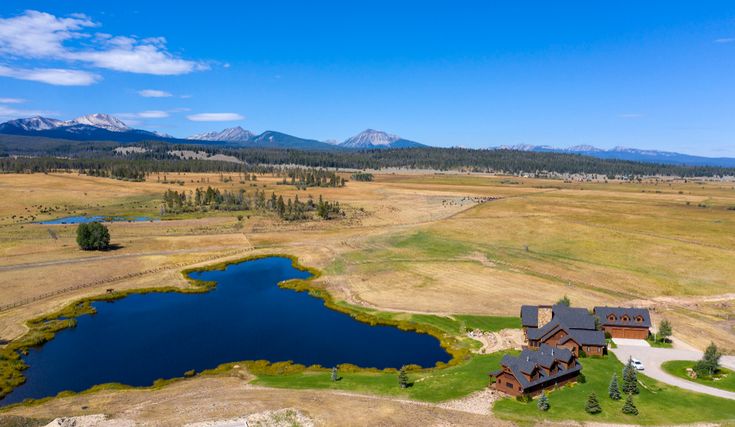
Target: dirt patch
492,342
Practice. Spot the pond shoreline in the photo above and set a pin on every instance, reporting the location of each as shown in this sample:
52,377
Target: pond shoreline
42,329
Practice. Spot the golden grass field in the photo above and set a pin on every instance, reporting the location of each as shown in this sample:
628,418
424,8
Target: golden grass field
412,242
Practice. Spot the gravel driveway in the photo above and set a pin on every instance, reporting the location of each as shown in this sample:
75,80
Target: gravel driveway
652,359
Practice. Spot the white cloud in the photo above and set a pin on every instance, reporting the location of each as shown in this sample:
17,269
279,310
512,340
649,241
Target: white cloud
150,114
153,114
154,93
40,35
215,117
8,113
630,116
54,76
725,40
12,100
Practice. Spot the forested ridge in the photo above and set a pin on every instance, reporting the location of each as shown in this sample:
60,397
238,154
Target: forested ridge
48,154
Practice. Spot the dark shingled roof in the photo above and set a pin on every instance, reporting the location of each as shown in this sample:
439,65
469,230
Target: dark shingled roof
575,318
529,315
581,336
545,356
538,333
585,337
602,313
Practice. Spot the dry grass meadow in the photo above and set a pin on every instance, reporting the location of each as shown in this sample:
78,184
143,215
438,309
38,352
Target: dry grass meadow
413,242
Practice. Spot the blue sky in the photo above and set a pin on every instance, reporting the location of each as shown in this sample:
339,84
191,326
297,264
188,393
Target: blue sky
656,74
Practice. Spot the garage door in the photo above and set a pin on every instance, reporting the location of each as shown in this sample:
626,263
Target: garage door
631,333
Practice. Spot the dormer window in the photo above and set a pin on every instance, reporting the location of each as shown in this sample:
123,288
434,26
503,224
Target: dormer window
639,319
611,317
625,318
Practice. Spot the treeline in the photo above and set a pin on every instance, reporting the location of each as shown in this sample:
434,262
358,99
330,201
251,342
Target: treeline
107,166
156,158
203,200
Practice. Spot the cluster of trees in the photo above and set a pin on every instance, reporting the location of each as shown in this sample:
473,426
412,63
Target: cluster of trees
310,177
93,236
214,199
592,406
362,176
205,199
125,172
68,153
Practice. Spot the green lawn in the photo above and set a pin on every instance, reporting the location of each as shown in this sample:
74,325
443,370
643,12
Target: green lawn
678,368
489,323
657,344
432,386
657,403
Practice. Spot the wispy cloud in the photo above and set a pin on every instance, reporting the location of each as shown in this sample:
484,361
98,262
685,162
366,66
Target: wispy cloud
40,35
630,116
154,93
725,40
12,100
215,117
8,113
54,76
150,114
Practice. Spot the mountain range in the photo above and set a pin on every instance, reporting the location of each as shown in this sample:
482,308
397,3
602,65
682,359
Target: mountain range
92,127
367,139
104,127
632,154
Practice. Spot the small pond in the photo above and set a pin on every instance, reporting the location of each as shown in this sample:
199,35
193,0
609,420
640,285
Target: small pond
141,338
82,219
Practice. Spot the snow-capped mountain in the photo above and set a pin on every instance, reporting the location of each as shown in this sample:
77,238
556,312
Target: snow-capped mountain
34,123
236,134
371,138
99,127
632,154
99,120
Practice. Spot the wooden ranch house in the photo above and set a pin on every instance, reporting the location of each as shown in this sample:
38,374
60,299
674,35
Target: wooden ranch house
624,322
536,370
563,327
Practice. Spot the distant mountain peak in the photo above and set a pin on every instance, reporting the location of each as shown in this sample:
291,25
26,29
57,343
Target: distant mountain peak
371,138
234,134
100,120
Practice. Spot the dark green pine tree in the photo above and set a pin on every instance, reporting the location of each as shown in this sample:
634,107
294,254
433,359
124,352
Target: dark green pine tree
629,407
543,402
593,405
403,377
613,390
630,378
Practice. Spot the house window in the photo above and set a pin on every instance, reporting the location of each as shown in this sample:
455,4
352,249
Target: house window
611,317
639,319
509,384
625,318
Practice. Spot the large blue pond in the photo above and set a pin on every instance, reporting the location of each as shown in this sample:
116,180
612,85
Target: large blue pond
141,338
82,219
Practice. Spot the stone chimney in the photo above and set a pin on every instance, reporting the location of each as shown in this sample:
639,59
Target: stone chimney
544,315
